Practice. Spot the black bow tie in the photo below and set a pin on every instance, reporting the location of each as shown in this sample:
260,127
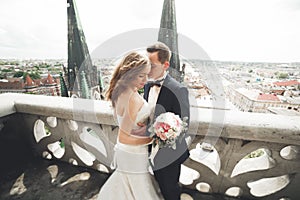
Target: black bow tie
156,83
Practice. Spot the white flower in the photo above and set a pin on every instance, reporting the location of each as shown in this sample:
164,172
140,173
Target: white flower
167,129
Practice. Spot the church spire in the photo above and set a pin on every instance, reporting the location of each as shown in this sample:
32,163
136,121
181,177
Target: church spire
168,35
78,54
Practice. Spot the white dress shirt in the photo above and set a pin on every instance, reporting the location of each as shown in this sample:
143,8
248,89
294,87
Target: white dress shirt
154,92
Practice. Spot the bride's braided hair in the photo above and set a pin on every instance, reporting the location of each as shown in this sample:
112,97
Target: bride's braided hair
126,71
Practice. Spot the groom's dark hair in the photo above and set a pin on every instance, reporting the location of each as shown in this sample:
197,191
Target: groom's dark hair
163,50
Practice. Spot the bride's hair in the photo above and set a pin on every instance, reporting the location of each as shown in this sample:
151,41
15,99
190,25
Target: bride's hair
126,71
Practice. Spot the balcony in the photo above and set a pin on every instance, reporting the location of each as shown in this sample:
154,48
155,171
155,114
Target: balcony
233,154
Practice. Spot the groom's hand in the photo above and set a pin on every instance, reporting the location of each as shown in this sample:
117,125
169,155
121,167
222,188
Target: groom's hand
141,124
140,131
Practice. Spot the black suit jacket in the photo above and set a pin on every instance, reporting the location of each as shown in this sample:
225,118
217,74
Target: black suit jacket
173,97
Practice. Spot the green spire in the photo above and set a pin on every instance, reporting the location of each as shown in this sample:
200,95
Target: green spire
63,87
78,53
168,35
85,91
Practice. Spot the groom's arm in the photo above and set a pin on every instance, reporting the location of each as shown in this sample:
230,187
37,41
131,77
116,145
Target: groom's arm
182,105
185,103
140,131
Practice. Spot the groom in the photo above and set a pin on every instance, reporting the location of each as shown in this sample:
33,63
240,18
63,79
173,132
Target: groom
167,95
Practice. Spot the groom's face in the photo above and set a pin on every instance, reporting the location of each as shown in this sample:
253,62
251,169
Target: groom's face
157,68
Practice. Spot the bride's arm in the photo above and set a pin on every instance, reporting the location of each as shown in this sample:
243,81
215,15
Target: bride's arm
128,122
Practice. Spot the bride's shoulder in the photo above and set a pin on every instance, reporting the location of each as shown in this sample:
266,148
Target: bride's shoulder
136,98
136,101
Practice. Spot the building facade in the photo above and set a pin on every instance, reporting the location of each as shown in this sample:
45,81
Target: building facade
47,86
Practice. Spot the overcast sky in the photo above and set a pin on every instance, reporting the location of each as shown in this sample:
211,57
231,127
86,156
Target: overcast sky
228,30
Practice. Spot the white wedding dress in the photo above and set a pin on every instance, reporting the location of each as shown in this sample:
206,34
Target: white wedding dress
131,179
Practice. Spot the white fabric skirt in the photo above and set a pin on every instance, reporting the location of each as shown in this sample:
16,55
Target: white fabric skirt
131,179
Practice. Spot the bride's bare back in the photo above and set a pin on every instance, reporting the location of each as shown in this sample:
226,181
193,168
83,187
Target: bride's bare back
127,108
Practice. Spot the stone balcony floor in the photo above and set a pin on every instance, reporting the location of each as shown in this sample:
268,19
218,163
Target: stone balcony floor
37,183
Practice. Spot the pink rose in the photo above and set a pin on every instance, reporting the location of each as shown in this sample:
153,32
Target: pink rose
163,136
165,126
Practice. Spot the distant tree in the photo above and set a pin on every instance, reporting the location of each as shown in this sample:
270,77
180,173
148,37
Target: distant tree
35,75
44,65
19,74
283,76
14,63
30,93
250,71
6,70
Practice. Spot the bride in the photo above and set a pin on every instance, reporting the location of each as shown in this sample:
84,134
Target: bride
131,179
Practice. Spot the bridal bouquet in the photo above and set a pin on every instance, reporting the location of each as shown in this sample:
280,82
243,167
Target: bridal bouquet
167,129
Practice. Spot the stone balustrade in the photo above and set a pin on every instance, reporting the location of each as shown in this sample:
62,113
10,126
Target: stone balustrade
249,155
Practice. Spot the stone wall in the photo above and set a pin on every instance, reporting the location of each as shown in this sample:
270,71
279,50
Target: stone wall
240,154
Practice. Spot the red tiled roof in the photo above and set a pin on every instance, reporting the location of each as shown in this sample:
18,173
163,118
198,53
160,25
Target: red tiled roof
38,82
278,92
268,97
29,82
49,80
287,83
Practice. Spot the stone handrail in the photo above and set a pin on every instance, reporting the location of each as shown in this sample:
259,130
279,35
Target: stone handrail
66,129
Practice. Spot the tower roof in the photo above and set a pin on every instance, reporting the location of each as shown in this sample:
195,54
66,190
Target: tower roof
78,52
29,83
168,32
49,80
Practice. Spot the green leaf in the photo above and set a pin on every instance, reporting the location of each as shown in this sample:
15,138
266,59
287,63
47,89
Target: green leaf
47,130
141,91
62,143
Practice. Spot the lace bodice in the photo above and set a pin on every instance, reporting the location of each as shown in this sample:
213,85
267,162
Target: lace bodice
142,115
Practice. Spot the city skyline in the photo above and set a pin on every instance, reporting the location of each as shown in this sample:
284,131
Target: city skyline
250,31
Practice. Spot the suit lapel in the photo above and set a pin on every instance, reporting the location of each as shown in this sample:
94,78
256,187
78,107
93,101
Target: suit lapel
163,90
146,92
162,99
